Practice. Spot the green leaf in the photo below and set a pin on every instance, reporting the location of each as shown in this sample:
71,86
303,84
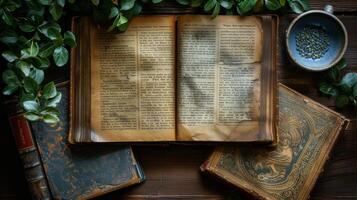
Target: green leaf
30,85
127,4
40,63
216,10
345,89
56,11
272,4
32,116
35,9
259,6
226,4
26,26
7,18
26,96
50,110
123,27
24,67
299,6
31,51
282,3
333,74
50,118
183,2
119,21
95,2
45,2
47,50
245,6
46,26
37,75
8,37
113,12
122,20
49,90
9,89
156,1
12,5
53,34
238,10
9,56
10,78
350,79
60,56
31,106
209,5
354,91
136,10
55,100
328,89
341,64
69,39
196,3
61,3
342,101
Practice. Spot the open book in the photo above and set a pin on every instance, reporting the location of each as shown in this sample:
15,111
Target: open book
175,78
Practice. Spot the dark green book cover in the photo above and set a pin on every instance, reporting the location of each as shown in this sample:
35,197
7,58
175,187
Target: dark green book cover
82,171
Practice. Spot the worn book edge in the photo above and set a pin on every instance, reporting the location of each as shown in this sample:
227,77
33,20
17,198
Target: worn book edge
138,177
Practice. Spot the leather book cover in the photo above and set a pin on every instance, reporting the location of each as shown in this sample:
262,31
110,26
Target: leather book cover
28,151
307,133
82,172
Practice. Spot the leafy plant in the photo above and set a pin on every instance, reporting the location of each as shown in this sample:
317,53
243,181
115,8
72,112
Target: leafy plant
33,40
343,88
245,7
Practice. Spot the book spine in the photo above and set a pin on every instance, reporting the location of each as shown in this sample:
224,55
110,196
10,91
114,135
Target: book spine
30,158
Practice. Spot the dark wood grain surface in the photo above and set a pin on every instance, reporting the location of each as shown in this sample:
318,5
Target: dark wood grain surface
173,171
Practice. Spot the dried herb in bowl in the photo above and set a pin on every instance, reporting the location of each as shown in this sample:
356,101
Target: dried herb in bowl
312,42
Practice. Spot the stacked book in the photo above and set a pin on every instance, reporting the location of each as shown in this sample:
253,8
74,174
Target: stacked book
182,79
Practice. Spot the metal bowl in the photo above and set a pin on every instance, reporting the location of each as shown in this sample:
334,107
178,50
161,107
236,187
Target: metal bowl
335,30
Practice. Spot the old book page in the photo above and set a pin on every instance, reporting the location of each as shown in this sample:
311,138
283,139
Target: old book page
133,82
219,67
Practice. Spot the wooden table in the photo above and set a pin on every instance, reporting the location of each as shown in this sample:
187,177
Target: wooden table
173,171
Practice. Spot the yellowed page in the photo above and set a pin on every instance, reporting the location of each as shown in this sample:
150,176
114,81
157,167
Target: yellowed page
219,78
133,82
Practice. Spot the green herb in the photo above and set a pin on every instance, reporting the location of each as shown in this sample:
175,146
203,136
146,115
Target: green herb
343,88
312,42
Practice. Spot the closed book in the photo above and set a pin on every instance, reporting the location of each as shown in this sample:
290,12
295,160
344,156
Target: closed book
307,133
81,172
28,152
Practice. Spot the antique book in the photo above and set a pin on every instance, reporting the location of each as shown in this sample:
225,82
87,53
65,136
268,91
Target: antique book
175,78
307,133
65,171
28,151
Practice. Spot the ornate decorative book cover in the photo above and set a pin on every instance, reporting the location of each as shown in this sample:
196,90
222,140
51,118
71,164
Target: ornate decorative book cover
307,132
